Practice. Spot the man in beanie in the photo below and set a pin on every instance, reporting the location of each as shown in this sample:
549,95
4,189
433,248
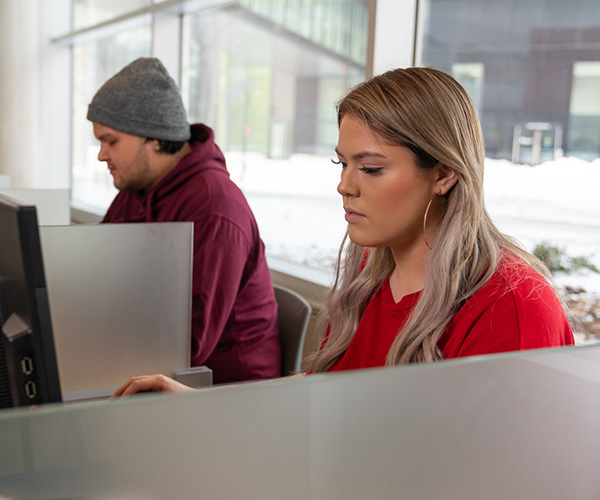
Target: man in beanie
167,170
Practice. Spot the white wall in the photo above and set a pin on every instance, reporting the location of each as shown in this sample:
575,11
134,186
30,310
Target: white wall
34,134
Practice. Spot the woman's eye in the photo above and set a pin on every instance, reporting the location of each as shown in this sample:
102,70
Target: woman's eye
339,162
371,170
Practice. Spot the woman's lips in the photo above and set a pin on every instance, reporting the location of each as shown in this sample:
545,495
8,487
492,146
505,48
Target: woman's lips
353,216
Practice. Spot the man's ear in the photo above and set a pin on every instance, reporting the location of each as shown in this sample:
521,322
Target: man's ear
153,143
446,178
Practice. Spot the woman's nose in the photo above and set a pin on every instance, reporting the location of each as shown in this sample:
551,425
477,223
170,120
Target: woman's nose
347,185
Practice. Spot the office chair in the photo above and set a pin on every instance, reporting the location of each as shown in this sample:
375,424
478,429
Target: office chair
292,318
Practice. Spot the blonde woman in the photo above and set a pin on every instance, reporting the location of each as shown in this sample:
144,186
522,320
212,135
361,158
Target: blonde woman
426,275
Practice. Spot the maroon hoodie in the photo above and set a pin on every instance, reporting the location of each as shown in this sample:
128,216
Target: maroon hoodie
234,313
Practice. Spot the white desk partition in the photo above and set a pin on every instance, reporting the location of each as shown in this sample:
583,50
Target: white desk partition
519,426
53,205
5,181
120,300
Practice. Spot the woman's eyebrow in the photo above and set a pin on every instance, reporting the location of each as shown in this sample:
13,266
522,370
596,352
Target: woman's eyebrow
364,154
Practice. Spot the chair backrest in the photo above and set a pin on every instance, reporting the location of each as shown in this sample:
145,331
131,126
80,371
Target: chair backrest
294,313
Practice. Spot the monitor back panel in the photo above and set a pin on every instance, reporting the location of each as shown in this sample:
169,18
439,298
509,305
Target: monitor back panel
120,299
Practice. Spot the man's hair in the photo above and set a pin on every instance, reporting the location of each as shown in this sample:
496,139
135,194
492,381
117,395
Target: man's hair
167,147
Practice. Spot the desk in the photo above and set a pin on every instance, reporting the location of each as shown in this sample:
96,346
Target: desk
518,426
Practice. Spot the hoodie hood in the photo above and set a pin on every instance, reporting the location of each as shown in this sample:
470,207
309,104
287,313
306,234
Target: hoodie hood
204,156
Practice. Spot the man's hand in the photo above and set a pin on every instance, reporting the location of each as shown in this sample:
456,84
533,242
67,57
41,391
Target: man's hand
149,383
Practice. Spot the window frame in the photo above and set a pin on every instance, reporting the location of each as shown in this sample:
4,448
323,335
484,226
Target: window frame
389,45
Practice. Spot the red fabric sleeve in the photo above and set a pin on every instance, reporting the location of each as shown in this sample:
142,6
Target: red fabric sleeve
523,318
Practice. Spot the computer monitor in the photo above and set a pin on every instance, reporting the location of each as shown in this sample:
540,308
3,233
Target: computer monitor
28,367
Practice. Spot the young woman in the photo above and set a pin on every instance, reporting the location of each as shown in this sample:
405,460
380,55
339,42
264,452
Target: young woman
426,275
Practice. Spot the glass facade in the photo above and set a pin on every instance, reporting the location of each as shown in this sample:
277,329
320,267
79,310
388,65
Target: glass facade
91,12
532,68
338,25
272,87
533,71
265,75
269,92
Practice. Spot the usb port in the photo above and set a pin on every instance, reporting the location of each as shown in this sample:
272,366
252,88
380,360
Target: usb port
27,365
30,389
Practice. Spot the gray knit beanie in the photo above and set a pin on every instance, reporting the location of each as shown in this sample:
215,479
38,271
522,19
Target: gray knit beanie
143,100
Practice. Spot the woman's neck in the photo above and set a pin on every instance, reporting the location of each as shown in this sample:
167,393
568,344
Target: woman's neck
408,275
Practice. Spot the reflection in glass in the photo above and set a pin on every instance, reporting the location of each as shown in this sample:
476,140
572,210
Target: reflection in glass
339,26
471,77
540,61
269,93
584,123
90,12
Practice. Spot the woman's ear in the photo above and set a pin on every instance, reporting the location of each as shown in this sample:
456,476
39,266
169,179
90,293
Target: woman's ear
446,178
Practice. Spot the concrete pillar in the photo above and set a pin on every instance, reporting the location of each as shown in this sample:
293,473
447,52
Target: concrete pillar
34,94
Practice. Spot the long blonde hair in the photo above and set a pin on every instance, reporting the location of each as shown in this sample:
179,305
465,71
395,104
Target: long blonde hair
429,112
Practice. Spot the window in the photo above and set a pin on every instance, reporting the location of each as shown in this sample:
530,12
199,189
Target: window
269,92
533,71
584,110
88,13
266,76
94,63
528,54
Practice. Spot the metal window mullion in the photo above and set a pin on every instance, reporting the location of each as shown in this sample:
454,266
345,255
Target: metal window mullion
136,17
394,34
167,32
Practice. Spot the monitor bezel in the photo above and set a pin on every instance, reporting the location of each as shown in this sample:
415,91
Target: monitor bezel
39,340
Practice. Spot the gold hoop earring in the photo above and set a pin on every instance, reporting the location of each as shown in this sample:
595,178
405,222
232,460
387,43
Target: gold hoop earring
425,218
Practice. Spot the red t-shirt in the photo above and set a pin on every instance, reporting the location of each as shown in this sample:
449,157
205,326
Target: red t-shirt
516,309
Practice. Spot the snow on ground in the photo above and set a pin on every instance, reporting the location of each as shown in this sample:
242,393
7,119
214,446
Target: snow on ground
555,202
561,191
300,215
301,219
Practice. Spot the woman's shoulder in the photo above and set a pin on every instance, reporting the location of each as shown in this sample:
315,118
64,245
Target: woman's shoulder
516,285
520,291
516,309
517,276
